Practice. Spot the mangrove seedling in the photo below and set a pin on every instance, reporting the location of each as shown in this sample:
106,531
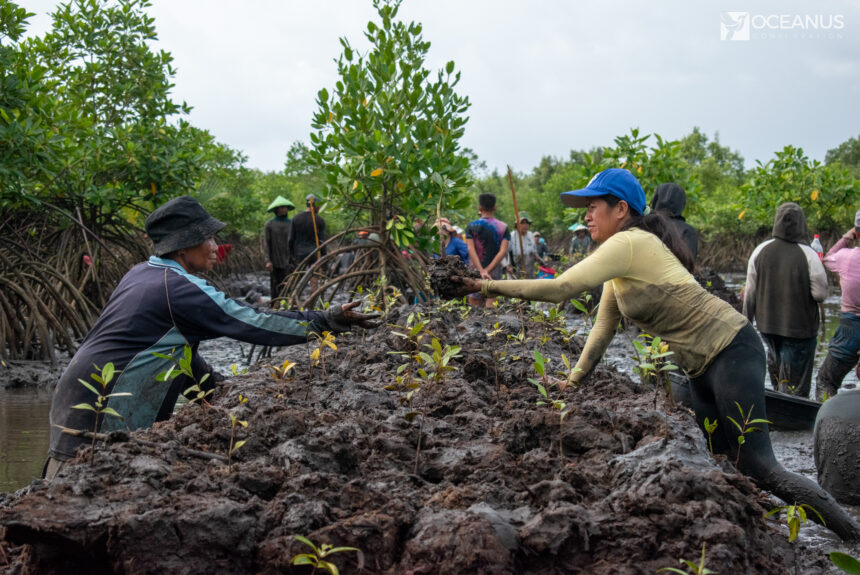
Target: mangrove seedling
557,404
414,332
234,423
282,374
234,369
498,355
182,366
651,353
438,360
745,427
317,558
588,311
699,569
324,341
845,562
795,517
710,427
103,377
521,338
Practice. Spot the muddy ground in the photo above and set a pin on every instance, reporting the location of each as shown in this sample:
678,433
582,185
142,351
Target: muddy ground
333,457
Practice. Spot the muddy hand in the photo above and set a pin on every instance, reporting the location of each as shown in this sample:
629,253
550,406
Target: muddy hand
365,320
465,286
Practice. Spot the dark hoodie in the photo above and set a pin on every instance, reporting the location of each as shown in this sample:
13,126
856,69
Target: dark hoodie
785,279
670,200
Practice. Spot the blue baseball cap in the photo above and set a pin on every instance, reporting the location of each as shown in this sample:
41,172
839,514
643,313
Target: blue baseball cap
613,182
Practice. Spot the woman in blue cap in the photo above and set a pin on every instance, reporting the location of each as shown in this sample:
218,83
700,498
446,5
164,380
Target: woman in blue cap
645,269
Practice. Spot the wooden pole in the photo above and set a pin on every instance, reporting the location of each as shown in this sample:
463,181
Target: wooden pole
517,215
314,222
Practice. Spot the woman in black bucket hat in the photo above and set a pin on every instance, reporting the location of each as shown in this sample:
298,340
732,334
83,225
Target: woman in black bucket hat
159,307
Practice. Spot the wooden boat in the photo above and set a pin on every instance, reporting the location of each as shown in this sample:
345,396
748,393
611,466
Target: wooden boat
784,411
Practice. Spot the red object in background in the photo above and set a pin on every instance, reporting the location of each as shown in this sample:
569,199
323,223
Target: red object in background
223,250
87,261
545,272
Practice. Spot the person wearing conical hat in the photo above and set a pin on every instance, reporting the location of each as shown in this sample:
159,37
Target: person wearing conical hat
276,243
581,242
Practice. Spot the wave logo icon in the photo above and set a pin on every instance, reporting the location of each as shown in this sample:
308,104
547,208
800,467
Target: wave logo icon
735,26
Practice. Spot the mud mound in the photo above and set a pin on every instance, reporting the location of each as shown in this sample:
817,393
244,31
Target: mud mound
441,272
471,482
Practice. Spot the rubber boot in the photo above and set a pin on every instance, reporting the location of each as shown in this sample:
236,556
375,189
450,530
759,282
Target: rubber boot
830,376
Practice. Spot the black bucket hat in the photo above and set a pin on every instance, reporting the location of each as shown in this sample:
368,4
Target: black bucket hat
180,223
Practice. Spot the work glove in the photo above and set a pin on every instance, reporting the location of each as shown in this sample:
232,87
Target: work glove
342,318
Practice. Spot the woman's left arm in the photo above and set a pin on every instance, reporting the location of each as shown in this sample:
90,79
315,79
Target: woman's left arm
608,316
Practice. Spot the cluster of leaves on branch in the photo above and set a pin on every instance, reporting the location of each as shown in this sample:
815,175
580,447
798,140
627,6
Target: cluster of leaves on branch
89,121
387,135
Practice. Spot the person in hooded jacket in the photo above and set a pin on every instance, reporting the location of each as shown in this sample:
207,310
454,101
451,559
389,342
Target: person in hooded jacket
785,283
670,200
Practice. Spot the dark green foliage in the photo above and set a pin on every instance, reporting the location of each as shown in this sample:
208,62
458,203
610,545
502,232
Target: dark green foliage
387,135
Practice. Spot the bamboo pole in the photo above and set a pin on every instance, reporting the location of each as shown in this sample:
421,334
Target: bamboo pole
517,215
314,222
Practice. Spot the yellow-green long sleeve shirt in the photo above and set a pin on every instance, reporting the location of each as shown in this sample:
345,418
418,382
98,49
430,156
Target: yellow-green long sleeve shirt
643,281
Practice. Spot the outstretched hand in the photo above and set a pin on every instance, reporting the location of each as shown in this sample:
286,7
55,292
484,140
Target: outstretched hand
465,285
365,320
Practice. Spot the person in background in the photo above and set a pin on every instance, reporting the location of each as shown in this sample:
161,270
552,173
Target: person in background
487,239
159,307
452,244
645,270
306,233
843,351
346,260
785,282
580,243
670,200
276,239
542,248
523,265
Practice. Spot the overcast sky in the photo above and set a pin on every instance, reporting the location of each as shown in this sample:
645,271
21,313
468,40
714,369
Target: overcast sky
543,76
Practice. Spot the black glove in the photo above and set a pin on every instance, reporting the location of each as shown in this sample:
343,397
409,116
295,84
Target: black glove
342,318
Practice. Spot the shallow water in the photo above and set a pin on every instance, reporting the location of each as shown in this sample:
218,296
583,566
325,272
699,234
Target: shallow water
24,435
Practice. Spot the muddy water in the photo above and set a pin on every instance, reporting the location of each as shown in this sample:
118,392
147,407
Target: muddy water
23,435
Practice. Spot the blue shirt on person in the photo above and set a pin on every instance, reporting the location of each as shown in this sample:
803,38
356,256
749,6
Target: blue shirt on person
457,247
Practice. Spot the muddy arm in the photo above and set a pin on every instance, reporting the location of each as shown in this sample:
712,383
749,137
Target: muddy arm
608,316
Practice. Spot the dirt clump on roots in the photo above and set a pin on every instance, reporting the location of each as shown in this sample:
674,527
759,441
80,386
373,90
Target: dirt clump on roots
333,458
441,272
